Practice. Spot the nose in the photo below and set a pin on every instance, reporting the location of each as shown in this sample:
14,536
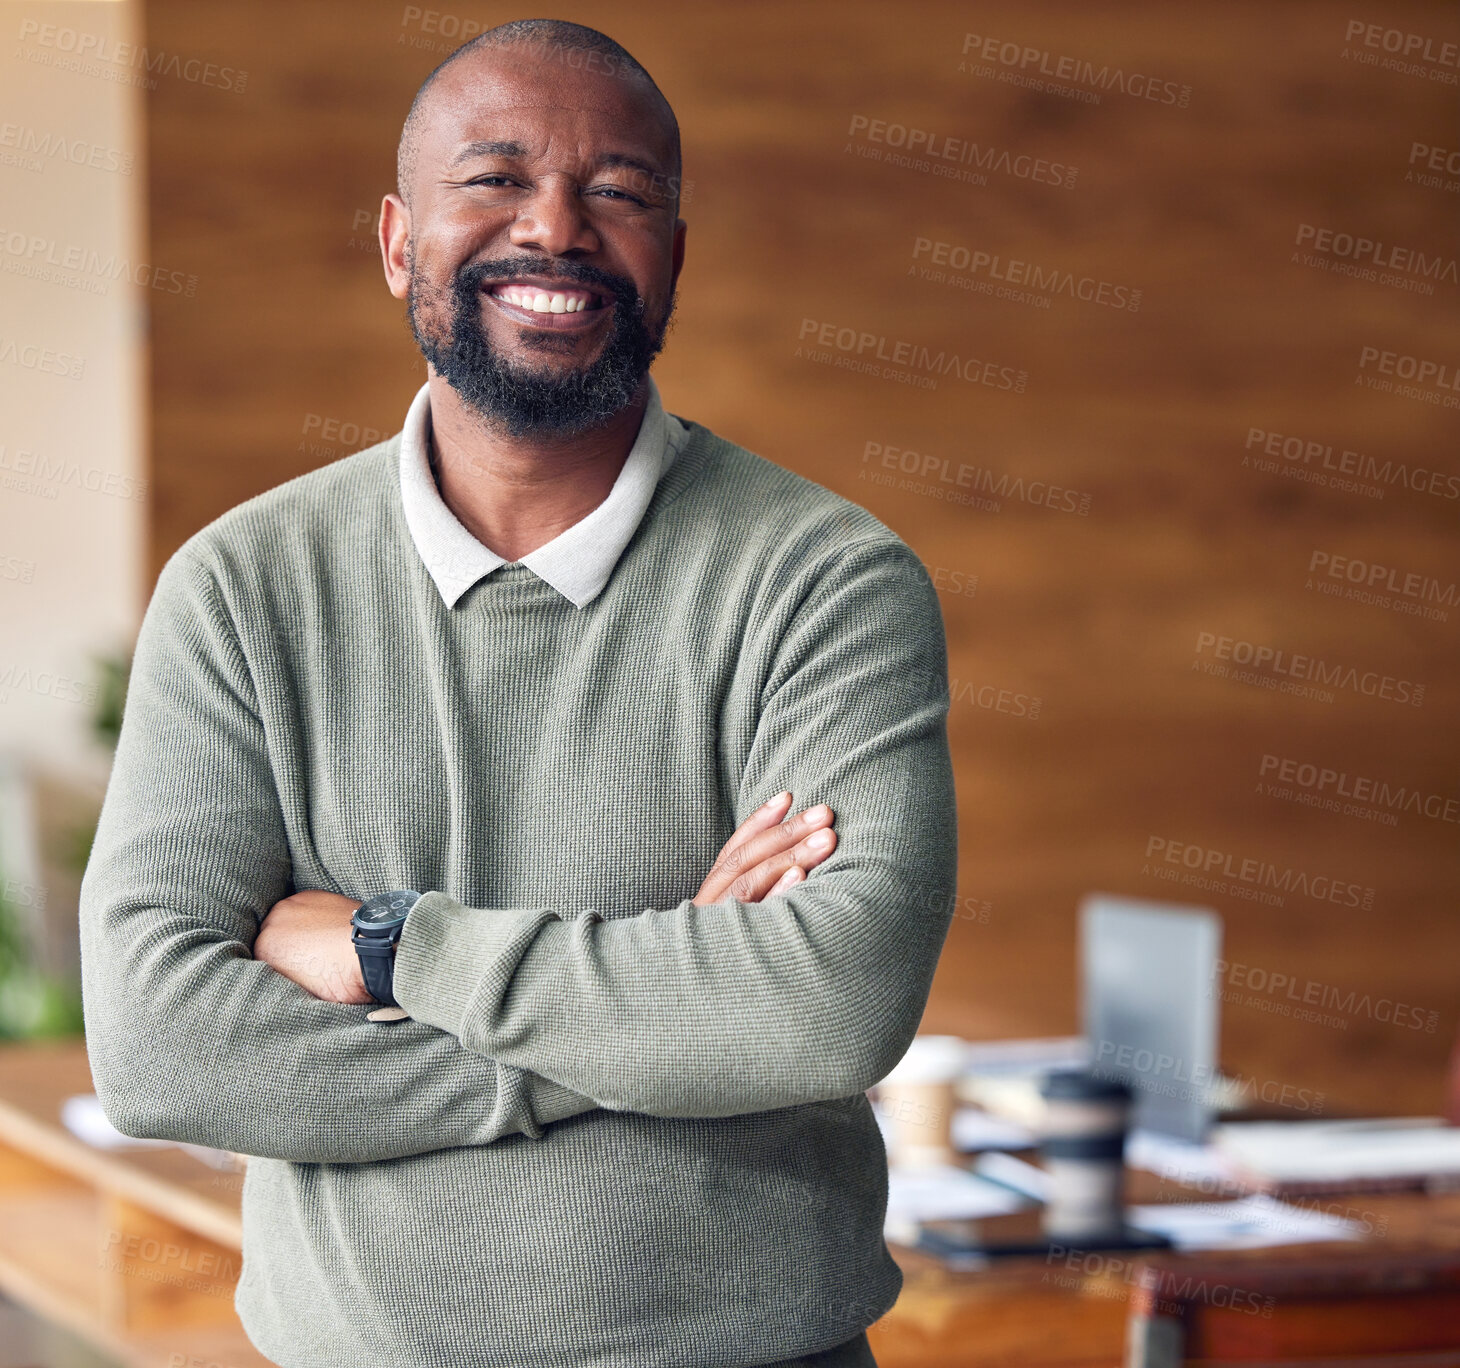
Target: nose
553,220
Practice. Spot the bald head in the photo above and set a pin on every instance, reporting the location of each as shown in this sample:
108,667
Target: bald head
553,41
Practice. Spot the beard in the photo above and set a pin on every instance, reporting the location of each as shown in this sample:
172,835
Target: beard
516,398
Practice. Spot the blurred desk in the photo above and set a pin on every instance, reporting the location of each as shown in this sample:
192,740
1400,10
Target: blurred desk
134,1250
1072,1313
137,1251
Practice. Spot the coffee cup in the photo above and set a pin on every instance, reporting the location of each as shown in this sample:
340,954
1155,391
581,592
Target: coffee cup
918,1099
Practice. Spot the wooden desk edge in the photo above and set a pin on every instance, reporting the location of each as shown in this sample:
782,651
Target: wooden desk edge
52,1145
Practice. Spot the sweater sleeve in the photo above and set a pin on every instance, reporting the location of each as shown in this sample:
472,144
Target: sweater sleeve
734,1007
190,1038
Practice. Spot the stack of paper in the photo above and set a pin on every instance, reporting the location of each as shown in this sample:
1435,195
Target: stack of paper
1251,1223
1180,1161
1326,1156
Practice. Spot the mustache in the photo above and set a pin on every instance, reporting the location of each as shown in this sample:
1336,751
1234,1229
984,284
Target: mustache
470,278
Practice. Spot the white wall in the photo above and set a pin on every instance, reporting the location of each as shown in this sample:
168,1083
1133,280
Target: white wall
72,374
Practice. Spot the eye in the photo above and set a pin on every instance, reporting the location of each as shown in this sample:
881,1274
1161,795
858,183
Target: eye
618,194
494,178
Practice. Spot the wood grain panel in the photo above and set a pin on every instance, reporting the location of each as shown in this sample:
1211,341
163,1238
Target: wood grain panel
1198,203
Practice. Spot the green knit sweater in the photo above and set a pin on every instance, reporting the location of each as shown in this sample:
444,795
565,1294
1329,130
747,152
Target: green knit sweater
619,1129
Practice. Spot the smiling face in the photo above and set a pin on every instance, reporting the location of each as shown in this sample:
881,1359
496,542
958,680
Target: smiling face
540,247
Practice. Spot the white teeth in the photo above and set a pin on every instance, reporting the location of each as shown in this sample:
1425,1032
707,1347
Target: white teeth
539,301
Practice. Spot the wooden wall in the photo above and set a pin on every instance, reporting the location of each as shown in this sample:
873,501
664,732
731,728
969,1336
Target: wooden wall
1192,186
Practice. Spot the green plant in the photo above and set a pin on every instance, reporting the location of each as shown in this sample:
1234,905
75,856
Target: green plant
35,1005
112,671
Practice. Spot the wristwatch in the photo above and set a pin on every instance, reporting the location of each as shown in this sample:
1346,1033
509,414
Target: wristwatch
375,932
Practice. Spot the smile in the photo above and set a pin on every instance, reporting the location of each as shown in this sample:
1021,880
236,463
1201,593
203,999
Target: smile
547,304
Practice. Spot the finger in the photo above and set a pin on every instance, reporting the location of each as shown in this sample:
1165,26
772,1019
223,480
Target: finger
746,874
741,861
767,815
789,879
774,841
732,858
757,883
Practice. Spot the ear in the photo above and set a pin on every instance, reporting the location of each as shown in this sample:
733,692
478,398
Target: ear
395,233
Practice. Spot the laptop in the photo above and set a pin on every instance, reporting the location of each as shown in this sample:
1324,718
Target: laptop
1149,1006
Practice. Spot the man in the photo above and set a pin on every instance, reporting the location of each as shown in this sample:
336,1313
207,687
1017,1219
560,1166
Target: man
529,669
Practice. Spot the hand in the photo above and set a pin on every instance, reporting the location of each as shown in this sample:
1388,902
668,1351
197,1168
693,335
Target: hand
306,937
766,855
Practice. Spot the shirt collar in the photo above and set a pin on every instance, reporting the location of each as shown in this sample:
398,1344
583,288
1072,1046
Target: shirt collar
579,560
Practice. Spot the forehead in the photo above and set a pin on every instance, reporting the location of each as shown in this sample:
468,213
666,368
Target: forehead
510,94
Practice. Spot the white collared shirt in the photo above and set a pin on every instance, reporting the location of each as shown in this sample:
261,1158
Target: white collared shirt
579,560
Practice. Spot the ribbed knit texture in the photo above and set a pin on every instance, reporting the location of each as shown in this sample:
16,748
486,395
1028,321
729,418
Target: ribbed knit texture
620,1130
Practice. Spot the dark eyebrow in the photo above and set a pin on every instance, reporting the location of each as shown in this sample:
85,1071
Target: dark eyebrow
630,163
487,149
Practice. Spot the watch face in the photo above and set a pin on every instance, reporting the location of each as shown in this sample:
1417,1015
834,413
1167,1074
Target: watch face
385,912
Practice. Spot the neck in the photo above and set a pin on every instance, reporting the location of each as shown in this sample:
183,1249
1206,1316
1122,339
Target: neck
515,494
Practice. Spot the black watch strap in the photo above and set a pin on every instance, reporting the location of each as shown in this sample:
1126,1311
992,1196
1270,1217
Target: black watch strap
375,943
377,967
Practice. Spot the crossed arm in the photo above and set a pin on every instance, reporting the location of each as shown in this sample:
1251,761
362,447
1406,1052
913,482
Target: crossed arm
306,936
765,994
